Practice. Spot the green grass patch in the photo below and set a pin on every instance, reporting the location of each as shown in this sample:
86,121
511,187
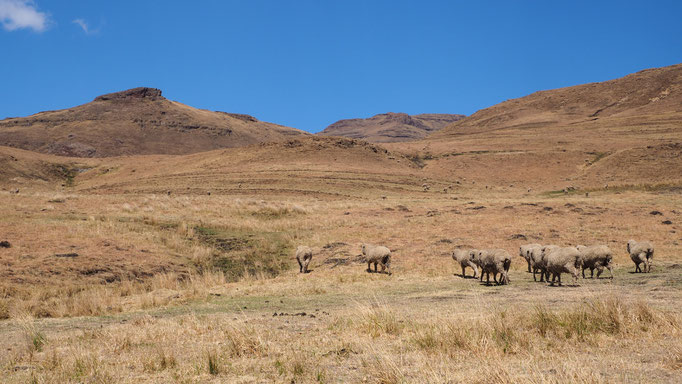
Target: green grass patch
238,253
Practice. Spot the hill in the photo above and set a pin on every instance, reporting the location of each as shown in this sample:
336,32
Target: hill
137,121
391,127
647,96
316,166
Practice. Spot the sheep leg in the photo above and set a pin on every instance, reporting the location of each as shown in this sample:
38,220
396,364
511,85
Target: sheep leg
464,271
534,278
583,272
592,273
375,266
369,266
637,269
528,261
305,266
300,266
559,278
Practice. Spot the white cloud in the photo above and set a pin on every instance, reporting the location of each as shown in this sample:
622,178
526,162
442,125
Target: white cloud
17,14
83,25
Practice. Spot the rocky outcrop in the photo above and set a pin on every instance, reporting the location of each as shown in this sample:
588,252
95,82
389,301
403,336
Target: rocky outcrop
391,127
135,93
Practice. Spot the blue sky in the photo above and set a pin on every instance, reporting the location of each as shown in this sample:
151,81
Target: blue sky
307,64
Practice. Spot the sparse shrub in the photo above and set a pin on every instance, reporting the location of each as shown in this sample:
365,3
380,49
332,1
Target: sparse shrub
244,341
378,320
443,337
160,361
383,370
4,309
35,340
213,363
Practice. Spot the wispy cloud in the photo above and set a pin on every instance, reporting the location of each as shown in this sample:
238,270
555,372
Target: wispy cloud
83,25
17,14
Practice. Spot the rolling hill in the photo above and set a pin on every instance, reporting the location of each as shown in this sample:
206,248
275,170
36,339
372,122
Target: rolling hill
391,127
651,95
137,121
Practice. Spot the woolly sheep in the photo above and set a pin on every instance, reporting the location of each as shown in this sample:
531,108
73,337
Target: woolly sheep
596,257
538,261
641,252
524,251
303,256
377,254
562,260
494,261
463,257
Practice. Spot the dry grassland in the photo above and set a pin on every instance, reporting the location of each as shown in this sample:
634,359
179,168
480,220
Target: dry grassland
201,288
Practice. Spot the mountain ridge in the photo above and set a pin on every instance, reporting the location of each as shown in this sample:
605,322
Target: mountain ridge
137,121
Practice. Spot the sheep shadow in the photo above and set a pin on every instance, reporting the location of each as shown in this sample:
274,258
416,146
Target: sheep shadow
563,285
378,272
464,276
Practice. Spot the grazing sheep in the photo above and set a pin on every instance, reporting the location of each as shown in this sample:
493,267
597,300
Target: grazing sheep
538,261
524,251
462,256
494,261
303,256
641,252
474,257
377,254
562,260
596,257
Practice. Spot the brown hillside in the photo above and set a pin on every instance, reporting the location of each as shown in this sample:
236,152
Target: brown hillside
391,127
136,121
19,168
646,95
304,166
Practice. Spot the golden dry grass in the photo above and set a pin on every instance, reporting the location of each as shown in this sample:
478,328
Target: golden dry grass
158,308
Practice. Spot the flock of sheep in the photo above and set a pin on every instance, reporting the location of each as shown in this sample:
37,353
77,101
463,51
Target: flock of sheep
548,260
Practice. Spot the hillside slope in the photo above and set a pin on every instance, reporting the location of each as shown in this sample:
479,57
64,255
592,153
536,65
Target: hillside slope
136,122
318,166
391,127
651,94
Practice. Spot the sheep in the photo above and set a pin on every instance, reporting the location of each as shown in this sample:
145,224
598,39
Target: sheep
303,256
538,261
377,254
641,252
596,256
524,251
562,260
494,261
474,257
462,256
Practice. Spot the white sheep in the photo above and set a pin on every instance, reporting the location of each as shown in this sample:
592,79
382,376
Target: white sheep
377,254
463,257
641,252
596,257
303,256
562,260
